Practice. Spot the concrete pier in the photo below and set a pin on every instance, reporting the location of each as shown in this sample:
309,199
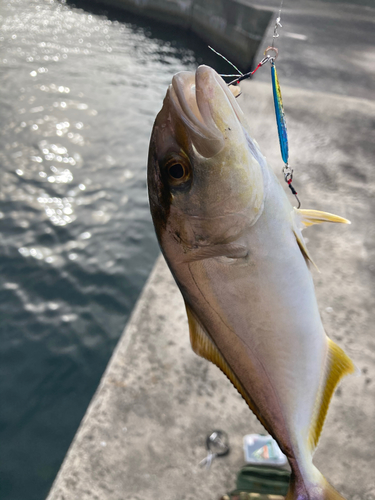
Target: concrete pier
144,432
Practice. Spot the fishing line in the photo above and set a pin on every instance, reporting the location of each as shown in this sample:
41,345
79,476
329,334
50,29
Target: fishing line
228,61
277,25
270,55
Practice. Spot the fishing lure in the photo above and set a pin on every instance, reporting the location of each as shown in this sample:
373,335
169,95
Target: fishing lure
280,115
280,121
277,99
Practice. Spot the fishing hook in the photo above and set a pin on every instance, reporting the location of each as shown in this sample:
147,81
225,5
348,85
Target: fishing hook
288,176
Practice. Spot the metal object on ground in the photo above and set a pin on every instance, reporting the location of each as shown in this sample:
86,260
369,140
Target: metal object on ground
217,444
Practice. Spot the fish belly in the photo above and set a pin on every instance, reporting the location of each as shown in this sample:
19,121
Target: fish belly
262,315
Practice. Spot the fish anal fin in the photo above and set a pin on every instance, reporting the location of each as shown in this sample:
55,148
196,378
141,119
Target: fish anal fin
311,217
338,365
199,339
204,346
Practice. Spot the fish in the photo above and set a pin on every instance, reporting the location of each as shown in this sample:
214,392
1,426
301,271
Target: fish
234,245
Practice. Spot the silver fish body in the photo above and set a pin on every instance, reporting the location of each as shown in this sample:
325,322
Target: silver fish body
234,245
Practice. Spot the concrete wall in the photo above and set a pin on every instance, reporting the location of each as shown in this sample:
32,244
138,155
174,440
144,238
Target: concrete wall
233,27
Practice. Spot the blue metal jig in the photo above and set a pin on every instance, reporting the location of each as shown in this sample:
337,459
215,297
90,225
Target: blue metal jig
280,115
277,99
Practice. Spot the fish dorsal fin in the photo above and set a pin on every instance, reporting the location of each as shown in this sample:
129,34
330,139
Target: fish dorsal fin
205,347
304,218
337,366
310,217
302,245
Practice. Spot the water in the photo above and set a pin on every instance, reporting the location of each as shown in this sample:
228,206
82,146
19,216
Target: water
79,91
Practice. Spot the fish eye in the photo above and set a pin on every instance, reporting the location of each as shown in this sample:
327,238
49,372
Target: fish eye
178,170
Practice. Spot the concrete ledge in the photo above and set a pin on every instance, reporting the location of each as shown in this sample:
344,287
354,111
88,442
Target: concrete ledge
234,27
144,432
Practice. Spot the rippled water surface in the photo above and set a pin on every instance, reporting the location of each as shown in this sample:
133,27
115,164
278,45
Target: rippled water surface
79,91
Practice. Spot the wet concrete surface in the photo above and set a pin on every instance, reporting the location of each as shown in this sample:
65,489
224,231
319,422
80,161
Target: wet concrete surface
144,432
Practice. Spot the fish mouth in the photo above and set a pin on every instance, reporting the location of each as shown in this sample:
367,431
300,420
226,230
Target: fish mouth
204,102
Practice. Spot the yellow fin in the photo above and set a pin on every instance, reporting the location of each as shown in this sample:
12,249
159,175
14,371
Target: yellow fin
338,365
205,347
303,247
310,217
320,485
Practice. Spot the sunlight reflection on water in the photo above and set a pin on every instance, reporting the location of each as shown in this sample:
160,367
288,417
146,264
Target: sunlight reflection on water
78,96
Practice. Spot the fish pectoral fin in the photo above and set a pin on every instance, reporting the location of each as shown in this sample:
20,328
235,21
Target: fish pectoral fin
311,217
230,250
338,365
203,345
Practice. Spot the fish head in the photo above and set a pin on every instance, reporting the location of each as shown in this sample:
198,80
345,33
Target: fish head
205,181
